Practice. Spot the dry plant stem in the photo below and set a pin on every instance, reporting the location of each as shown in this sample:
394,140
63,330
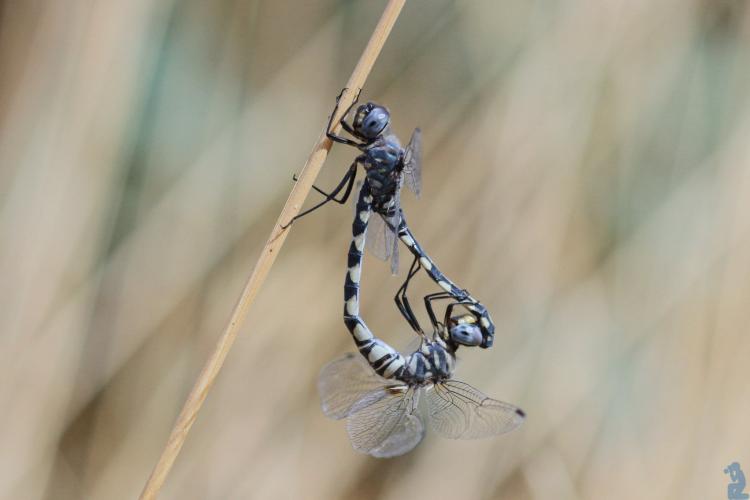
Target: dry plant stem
267,257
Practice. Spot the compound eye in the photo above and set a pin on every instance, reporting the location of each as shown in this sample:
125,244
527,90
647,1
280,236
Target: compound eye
375,121
466,334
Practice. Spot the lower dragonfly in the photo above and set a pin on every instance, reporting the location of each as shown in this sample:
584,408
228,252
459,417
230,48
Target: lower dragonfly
388,398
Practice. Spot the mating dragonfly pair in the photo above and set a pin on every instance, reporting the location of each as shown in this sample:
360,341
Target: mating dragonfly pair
388,397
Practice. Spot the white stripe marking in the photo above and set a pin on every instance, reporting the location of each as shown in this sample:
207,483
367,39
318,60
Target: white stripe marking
352,306
426,263
408,240
359,242
361,333
393,367
377,352
355,272
413,363
445,285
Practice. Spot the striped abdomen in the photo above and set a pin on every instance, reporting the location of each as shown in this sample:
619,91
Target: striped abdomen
385,360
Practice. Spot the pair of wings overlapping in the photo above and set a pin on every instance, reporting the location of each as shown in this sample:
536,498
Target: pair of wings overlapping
383,240
387,418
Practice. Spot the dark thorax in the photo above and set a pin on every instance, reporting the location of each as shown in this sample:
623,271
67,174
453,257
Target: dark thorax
383,163
432,363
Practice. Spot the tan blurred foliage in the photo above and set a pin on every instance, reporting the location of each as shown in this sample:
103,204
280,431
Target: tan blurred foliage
586,176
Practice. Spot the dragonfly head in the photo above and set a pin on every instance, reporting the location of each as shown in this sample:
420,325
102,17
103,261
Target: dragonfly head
464,330
370,120
471,328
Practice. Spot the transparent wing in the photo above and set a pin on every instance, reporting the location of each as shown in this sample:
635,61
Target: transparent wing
414,344
386,423
382,240
379,238
458,411
394,252
413,163
345,381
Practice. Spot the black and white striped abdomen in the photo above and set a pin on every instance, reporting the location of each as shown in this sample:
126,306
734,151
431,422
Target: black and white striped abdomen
385,360
432,362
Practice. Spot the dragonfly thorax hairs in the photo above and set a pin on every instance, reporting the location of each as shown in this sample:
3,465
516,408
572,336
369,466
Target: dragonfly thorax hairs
370,120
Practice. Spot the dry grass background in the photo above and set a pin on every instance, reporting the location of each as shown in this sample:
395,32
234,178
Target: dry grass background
586,176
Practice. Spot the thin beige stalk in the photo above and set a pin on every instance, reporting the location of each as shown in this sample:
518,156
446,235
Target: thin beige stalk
267,257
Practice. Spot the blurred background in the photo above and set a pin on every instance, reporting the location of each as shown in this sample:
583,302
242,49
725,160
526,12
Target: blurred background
585,176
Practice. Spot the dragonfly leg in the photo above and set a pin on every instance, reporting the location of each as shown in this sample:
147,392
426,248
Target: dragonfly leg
345,196
402,301
428,305
344,124
449,309
316,188
346,182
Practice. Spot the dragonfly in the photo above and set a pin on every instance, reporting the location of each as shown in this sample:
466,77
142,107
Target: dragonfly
387,165
389,398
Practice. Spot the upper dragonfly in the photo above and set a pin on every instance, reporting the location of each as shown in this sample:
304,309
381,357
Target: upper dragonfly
387,165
